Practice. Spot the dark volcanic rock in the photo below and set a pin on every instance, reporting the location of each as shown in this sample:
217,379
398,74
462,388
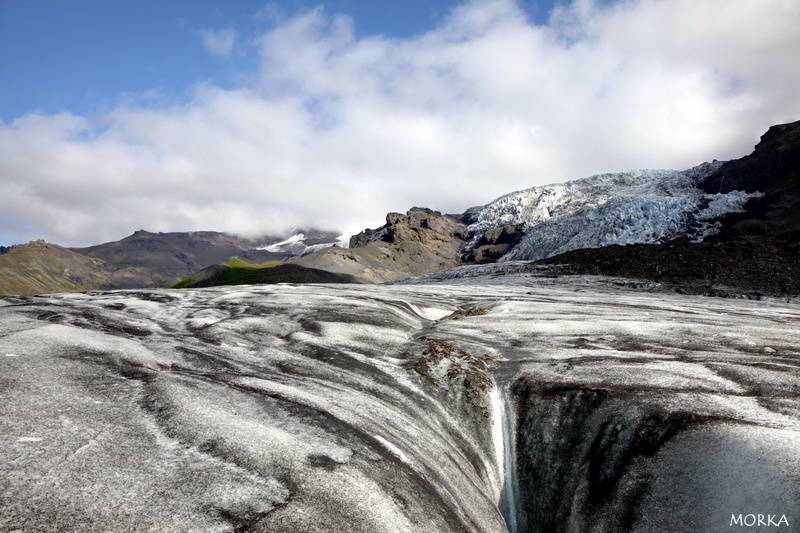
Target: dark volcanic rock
772,169
470,216
418,225
495,243
715,267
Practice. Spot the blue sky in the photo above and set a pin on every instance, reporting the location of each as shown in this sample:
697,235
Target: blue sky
79,55
255,117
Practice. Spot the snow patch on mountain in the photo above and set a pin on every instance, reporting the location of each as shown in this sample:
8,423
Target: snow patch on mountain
294,246
643,206
291,242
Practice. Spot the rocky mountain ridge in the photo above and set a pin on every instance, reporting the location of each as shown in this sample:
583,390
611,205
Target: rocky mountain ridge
143,259
39,267
407,245
147,259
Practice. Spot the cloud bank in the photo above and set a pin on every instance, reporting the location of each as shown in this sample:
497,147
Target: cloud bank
333,131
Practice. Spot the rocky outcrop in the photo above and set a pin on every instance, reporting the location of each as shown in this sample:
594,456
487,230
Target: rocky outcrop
419,225
774,170
420,241
494,244
773,167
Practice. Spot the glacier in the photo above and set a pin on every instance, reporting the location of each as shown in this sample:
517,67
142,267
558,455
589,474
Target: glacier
643,206
557,405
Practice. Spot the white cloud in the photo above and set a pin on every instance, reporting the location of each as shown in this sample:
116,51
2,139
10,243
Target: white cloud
337,130
220,42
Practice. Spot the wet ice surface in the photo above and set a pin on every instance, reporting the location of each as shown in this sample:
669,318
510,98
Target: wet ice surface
309,408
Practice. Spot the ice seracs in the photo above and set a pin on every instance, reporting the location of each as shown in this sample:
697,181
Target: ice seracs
643,206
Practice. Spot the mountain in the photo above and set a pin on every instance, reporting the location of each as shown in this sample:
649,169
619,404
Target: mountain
39,267
147,259
752,198
143,259
593,217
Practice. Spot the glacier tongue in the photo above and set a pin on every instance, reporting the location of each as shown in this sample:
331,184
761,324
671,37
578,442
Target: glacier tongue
344,408
644,206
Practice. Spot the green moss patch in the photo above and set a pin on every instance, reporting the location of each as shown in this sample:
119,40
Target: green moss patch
239,272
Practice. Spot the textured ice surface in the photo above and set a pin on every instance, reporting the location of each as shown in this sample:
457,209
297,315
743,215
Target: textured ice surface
305,408
644,206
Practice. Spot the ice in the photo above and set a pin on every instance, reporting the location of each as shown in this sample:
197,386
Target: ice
645,206
498,436
431,313
392,448
311,408
298,238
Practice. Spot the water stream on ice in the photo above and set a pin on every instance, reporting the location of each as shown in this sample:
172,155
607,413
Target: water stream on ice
505,448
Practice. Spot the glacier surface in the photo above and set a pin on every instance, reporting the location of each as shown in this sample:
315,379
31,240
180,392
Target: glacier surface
557,407
644,206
